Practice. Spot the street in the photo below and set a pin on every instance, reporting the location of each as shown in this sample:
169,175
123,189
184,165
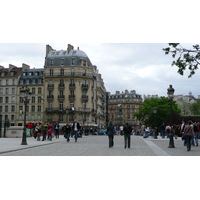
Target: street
98,146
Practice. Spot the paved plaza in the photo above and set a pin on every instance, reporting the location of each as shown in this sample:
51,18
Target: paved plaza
95,146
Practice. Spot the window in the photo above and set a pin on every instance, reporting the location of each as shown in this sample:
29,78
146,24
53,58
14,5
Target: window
13,81
32,108
12,108
33,90
7,90
51,72
39,90
24,74
1,90
13,99
33,100
13,90
20,109
7,82
62,72
2,73
6,108
39,99
39,117
61,106
39,108
84,62
32,117
1,99
0,82
0,108
60,117
6,99
12,117
84,72
20,117
62,62
73,61
30,73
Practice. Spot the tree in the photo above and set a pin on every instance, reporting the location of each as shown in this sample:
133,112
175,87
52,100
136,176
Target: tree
146,114
195,108
187,58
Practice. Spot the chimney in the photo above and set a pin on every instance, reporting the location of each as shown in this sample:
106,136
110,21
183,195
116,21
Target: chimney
69,48
48,49
25,66
117,92
126,91
11,67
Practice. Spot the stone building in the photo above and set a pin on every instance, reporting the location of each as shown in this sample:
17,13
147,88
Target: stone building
32,79
122,106
9,78
73,88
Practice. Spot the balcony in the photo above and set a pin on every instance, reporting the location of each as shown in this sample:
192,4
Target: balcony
85,86
61,86
55,110
50,97
84,98
50,86
72,86
71,97
61,97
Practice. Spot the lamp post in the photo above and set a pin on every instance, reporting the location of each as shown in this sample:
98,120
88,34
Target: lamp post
170,93
25,95
155,128
6,124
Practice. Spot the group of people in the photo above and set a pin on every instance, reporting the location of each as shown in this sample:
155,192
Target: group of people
187,131
127,131
48,130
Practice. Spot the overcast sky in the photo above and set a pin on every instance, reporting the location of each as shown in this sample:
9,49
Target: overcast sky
143,67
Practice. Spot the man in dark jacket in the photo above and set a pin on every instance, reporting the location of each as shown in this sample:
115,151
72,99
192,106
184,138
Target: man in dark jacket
127,135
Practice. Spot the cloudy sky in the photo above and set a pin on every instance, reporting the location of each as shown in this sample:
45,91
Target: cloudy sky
143,67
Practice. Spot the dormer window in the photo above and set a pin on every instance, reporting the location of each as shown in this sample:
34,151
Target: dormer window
51,62
2,73
11,73
73,61
24,73
62,62
30,73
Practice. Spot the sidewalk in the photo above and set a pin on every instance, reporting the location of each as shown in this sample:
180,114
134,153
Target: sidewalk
13,144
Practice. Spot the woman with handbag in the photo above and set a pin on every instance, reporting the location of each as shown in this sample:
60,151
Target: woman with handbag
188,132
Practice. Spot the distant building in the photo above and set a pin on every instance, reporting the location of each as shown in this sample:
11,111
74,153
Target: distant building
122,106
184,102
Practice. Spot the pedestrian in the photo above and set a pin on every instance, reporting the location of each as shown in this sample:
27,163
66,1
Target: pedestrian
38,131
127,135
44,131
121,130
56,130
49,131
75,128
188,132
67,131
162,130
110,133
195,127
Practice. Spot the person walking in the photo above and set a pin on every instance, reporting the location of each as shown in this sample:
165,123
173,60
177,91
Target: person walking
38,132
110,133
44,131
67,131
56,130
188,132
49,131
75,128
127,135
162,130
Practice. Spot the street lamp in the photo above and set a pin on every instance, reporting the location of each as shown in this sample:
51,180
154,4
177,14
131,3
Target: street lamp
25,96
170,93
6,124
155,128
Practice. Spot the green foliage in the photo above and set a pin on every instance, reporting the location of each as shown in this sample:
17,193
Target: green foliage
187,58
195,108
147,115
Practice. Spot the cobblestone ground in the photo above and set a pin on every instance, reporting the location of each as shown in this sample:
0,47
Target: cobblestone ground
98,146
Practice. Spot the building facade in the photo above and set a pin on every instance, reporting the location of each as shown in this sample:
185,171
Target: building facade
32,79
122,106
73,88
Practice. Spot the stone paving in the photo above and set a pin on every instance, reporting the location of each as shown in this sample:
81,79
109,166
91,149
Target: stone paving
94,146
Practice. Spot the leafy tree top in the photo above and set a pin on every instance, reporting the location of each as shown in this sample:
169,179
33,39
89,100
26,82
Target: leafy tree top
184,58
